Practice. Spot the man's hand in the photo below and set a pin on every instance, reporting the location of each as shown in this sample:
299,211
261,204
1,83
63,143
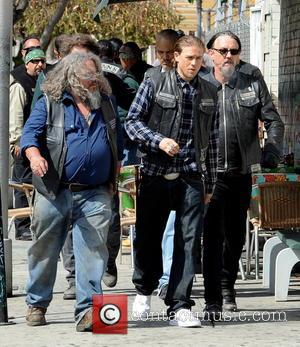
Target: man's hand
169,146
38,164
17,151
207,198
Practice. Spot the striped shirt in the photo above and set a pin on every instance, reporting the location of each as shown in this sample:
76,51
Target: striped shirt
185,160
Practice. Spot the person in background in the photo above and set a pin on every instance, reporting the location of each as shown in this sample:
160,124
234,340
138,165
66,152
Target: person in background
116,44
164,49
22,85
131,60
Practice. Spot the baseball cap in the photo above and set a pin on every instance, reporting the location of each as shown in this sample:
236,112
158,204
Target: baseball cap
34,54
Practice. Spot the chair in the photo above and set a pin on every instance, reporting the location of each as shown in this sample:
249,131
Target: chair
14,213
127,187
279,209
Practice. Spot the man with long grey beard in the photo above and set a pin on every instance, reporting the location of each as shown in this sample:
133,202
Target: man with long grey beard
243,100
70,140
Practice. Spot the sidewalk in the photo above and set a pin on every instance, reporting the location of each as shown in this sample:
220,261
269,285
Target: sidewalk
254,325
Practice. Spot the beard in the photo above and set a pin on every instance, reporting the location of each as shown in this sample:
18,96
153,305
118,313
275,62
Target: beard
92,99
227,71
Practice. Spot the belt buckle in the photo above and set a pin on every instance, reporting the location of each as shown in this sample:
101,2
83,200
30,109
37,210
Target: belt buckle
171,176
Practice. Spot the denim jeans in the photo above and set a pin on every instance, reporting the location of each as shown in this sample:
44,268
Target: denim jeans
156,198
167,246
89,212
68,258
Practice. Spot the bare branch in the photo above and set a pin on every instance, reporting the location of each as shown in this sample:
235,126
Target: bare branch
19,6
46,35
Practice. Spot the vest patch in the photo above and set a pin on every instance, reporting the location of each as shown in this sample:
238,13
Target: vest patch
110,68
247,95
207,102
112,123
166,96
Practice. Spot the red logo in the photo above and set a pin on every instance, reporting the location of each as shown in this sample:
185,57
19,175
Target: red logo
110,314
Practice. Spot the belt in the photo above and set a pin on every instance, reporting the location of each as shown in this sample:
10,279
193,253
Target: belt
77,187
171,176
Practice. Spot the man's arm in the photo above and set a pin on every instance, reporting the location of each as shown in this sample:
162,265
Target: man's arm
273,125
30,140
18,99
138,117
212,157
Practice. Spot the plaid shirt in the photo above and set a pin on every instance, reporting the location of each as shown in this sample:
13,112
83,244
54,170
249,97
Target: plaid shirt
184,161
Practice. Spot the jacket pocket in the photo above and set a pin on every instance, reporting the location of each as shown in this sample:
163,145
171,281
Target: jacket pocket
248,102
162,117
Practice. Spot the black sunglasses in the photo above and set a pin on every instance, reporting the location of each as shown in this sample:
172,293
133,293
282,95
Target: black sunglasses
36,61
225,51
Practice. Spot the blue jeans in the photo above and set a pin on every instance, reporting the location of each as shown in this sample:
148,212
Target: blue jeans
167,249
89,213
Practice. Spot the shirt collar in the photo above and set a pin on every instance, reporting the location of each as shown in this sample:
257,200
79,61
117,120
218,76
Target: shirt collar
187,84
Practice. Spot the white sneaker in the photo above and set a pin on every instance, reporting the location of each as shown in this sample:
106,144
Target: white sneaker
141,306
185,318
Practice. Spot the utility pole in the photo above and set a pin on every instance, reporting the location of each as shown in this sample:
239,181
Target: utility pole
199,18
6,15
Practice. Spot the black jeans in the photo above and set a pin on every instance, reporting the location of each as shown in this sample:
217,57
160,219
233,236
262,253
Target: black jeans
156,198
21,174
224,234
114,232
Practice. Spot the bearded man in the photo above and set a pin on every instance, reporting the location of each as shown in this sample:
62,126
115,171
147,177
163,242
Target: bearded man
243,100
70,140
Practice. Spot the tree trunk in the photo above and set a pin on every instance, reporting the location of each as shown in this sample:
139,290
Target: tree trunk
19,6
46,35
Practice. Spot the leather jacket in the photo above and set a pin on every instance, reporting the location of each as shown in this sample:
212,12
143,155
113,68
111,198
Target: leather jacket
243,101
54,149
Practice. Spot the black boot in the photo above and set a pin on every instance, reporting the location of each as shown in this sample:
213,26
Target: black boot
229,303
212,312
110,276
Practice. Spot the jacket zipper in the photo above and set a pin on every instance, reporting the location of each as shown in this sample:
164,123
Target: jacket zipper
225,130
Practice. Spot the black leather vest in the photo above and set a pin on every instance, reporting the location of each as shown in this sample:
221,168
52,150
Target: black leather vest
166,113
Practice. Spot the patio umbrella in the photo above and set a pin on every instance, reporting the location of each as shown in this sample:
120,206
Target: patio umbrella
103,3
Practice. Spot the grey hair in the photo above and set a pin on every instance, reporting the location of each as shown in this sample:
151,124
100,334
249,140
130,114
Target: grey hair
64,77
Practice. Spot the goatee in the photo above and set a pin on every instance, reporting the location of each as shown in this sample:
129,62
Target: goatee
227,71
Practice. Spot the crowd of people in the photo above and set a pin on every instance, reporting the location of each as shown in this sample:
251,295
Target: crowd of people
191,125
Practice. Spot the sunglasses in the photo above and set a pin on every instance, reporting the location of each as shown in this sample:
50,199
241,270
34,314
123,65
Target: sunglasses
36,61
28,49
225,51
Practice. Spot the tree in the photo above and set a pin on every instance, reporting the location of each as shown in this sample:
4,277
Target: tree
129,21
19,6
